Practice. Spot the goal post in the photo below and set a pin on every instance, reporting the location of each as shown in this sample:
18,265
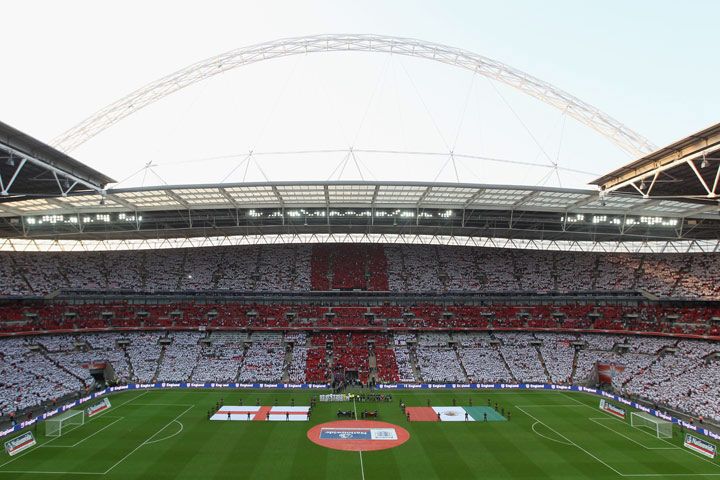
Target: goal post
662,428
59,424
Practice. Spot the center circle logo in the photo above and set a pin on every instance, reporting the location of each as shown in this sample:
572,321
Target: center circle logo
358,435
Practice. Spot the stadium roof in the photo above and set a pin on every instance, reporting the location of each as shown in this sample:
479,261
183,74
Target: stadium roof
688,169
30,168
472,210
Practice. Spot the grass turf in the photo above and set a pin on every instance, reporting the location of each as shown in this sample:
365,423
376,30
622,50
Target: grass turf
165,434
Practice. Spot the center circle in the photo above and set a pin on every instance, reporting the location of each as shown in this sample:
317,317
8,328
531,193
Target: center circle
358,435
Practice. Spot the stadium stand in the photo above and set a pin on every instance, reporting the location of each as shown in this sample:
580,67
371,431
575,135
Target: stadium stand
656,347
264,358
649,318
676,373
397,268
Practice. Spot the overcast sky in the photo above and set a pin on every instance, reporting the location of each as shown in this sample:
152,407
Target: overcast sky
649,64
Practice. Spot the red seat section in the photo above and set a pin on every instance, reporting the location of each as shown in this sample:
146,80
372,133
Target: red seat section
349,267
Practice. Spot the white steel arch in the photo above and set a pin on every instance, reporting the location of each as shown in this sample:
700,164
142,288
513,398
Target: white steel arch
622,136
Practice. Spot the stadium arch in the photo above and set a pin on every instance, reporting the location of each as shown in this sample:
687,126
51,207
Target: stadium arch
602,123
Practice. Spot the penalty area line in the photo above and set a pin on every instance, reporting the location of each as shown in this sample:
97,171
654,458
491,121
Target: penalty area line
686,450
148,440
546,437
573,443
84,439
95,417
599,420
169,436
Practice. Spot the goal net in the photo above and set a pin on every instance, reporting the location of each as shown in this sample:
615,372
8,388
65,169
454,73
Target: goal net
662,428
59,424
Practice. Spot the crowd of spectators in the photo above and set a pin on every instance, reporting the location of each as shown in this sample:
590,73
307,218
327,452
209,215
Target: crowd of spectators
28,378
437,360
180,357
672,372
402,344
398,268
264,358
298,363
220,357
247,268
144,354
21,317
349,267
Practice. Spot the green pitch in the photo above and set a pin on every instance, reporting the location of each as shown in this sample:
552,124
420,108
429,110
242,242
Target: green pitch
166,435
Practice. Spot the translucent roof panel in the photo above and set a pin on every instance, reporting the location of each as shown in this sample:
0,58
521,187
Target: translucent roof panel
150,199
614,201
499,197
252,195
351,194
87,201
554,199
201,196
302,194
30,206
448,196
667,206
400,194
346,195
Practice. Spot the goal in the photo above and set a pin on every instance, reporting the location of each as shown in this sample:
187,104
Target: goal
662,428
59,424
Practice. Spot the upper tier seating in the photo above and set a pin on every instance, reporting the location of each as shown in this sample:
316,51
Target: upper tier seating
397,268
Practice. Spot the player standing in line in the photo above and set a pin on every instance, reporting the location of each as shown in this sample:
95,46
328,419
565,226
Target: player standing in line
287,416
485,417
466,416
248,416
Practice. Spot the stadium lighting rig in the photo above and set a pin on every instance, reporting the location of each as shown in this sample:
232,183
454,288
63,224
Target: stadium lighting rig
608,220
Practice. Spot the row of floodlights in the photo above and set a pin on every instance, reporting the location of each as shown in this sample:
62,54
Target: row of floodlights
125,217
606,220
350,213
84,219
